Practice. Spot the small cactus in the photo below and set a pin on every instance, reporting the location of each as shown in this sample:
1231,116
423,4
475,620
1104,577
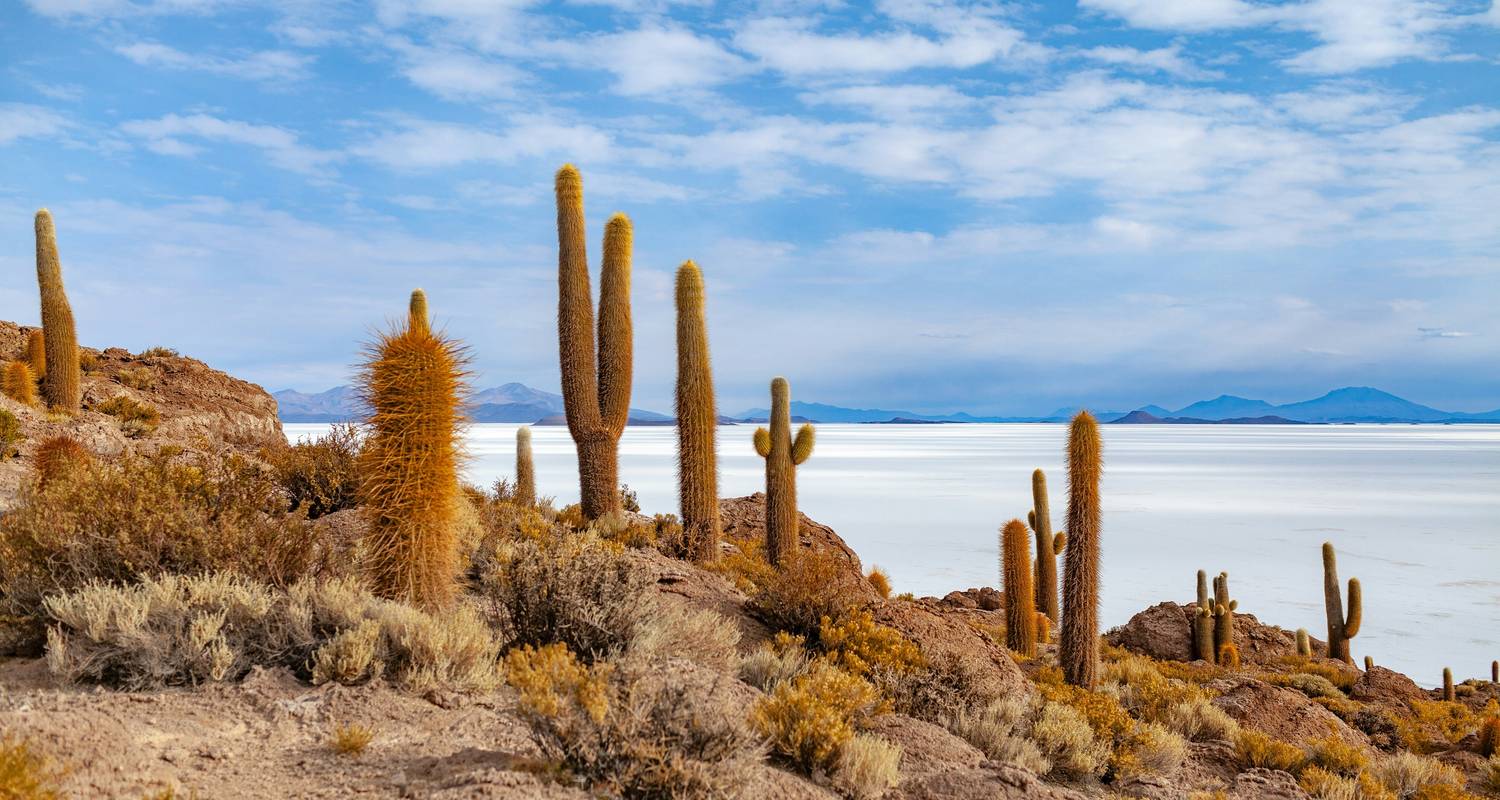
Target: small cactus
1448,692
1043,628
1048,546
1078,644
1229,656
57,456
1020,606
697,421
36,352
18,383
525,494
1340,628
1495,672
61,387
1203,622
1369,663
1304,643
1224,609
782,453
1489,736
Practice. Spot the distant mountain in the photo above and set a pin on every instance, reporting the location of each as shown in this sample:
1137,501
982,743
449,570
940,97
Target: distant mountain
1361,404
1225,406
1142,417
511,402
339,404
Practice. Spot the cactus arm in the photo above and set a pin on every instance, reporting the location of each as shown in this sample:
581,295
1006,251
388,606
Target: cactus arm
417,312
1356,609
1031,519
575,309
1059,542
615,328
763,442
802,445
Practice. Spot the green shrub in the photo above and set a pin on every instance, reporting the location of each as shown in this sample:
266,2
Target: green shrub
136,419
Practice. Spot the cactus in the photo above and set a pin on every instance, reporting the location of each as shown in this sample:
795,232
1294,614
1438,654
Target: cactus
1043,628
525,473
1223,614
1448,693
61,385
782,453
1489,735
596,401
1340,628
1229,656
1078,645
1304,643
1020,608
18,383
1048,546
697,421
36,352
1369,663
57,456
1495,672
1203,622
414,383
417,318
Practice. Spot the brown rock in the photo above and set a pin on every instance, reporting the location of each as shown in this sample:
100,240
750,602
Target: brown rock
959,600
1384,687
1284,714
745,518
989,782
1164,632
945,635
925,747
1266,784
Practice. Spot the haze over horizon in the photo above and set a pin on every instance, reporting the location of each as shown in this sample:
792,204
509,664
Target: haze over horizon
993,208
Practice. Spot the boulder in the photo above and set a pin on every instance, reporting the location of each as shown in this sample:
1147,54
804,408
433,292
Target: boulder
925,747
990,781
1284,714
1165,632
1266,784
1384,687
947,635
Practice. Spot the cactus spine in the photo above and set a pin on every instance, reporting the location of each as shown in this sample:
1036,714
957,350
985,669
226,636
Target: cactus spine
417,318
1020,607
782,454
1304,644
1224,615
525,472
18,383
1340,628
1078,645
1047,547
1448,692
413,382
596,401
36,353
1203,622
697,421
61,386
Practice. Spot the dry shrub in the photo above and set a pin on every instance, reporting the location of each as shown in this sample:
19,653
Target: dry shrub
935,693
859,644
1324,785
1406,774
1199,720
809,719
141,516
321,475
637,730
1443,791
25,774
10,433
797,597
1151,750
867,767
159,352
881,580
1337,756
1489,774
777,661
744,565
57,455
1435,724
1343,678
1313,686
1145,692
142,377
1255,749
1000,729
137,419
1103,712
1065,737
178,630
351,739
1489,736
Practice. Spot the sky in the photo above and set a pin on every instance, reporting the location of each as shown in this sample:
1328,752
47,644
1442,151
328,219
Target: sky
933,206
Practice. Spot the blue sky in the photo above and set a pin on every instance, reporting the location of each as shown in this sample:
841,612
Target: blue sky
997,207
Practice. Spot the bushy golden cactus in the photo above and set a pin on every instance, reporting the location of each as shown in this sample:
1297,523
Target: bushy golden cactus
1203,622
596,401
1048,546
18,383
1020,601
697,421
417,318
36,353
525,470
782,453
1078,643
414,383
1340,628
61,387
1229,656
59,455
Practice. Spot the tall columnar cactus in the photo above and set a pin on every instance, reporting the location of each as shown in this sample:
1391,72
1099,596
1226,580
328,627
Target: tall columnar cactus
1304,644
1078,645
1340,628
417,318
414,384
1448,692
697,421
1203,622
525,471
36,353
1048,545
596,401
1020,601
1495,672
1223,616
61,387
782,454
18,383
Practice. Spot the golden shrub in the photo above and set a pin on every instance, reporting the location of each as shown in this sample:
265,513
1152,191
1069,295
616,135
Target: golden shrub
1200,720
25,774
142,377
1000,729
1255,749
859,644
1406,774
1151,749
351,739
881,580
1489,774
1066,738
866,767
1337,756
1449,721
1103,712
550,678
796,597
775,662
137,419
809,719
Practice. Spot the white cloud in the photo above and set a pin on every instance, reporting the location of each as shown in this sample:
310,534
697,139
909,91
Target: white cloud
167,136
263,65
1167,60
455,74
891,101
1180,15
651,60
421,144
794,47
24,121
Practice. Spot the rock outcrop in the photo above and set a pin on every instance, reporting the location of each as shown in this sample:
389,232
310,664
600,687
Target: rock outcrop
1165,632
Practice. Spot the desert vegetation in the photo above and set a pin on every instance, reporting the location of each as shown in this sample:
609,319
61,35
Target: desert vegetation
733,649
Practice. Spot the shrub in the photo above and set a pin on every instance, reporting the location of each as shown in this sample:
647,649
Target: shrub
1489,774
999,730
351,739
1313,685
881,580
1199,720
1104,713
88,360
813,585
140,516
1450,721
1255,749
142,377
1152,750
859,644
775,662
24,774
811,718
628,500
136,419
1337,756
177,630
935,693
643,730
1489,736
10,433
744,565
1144,691
58,455
159,352
1065,737
1408,773
866,767
322,475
